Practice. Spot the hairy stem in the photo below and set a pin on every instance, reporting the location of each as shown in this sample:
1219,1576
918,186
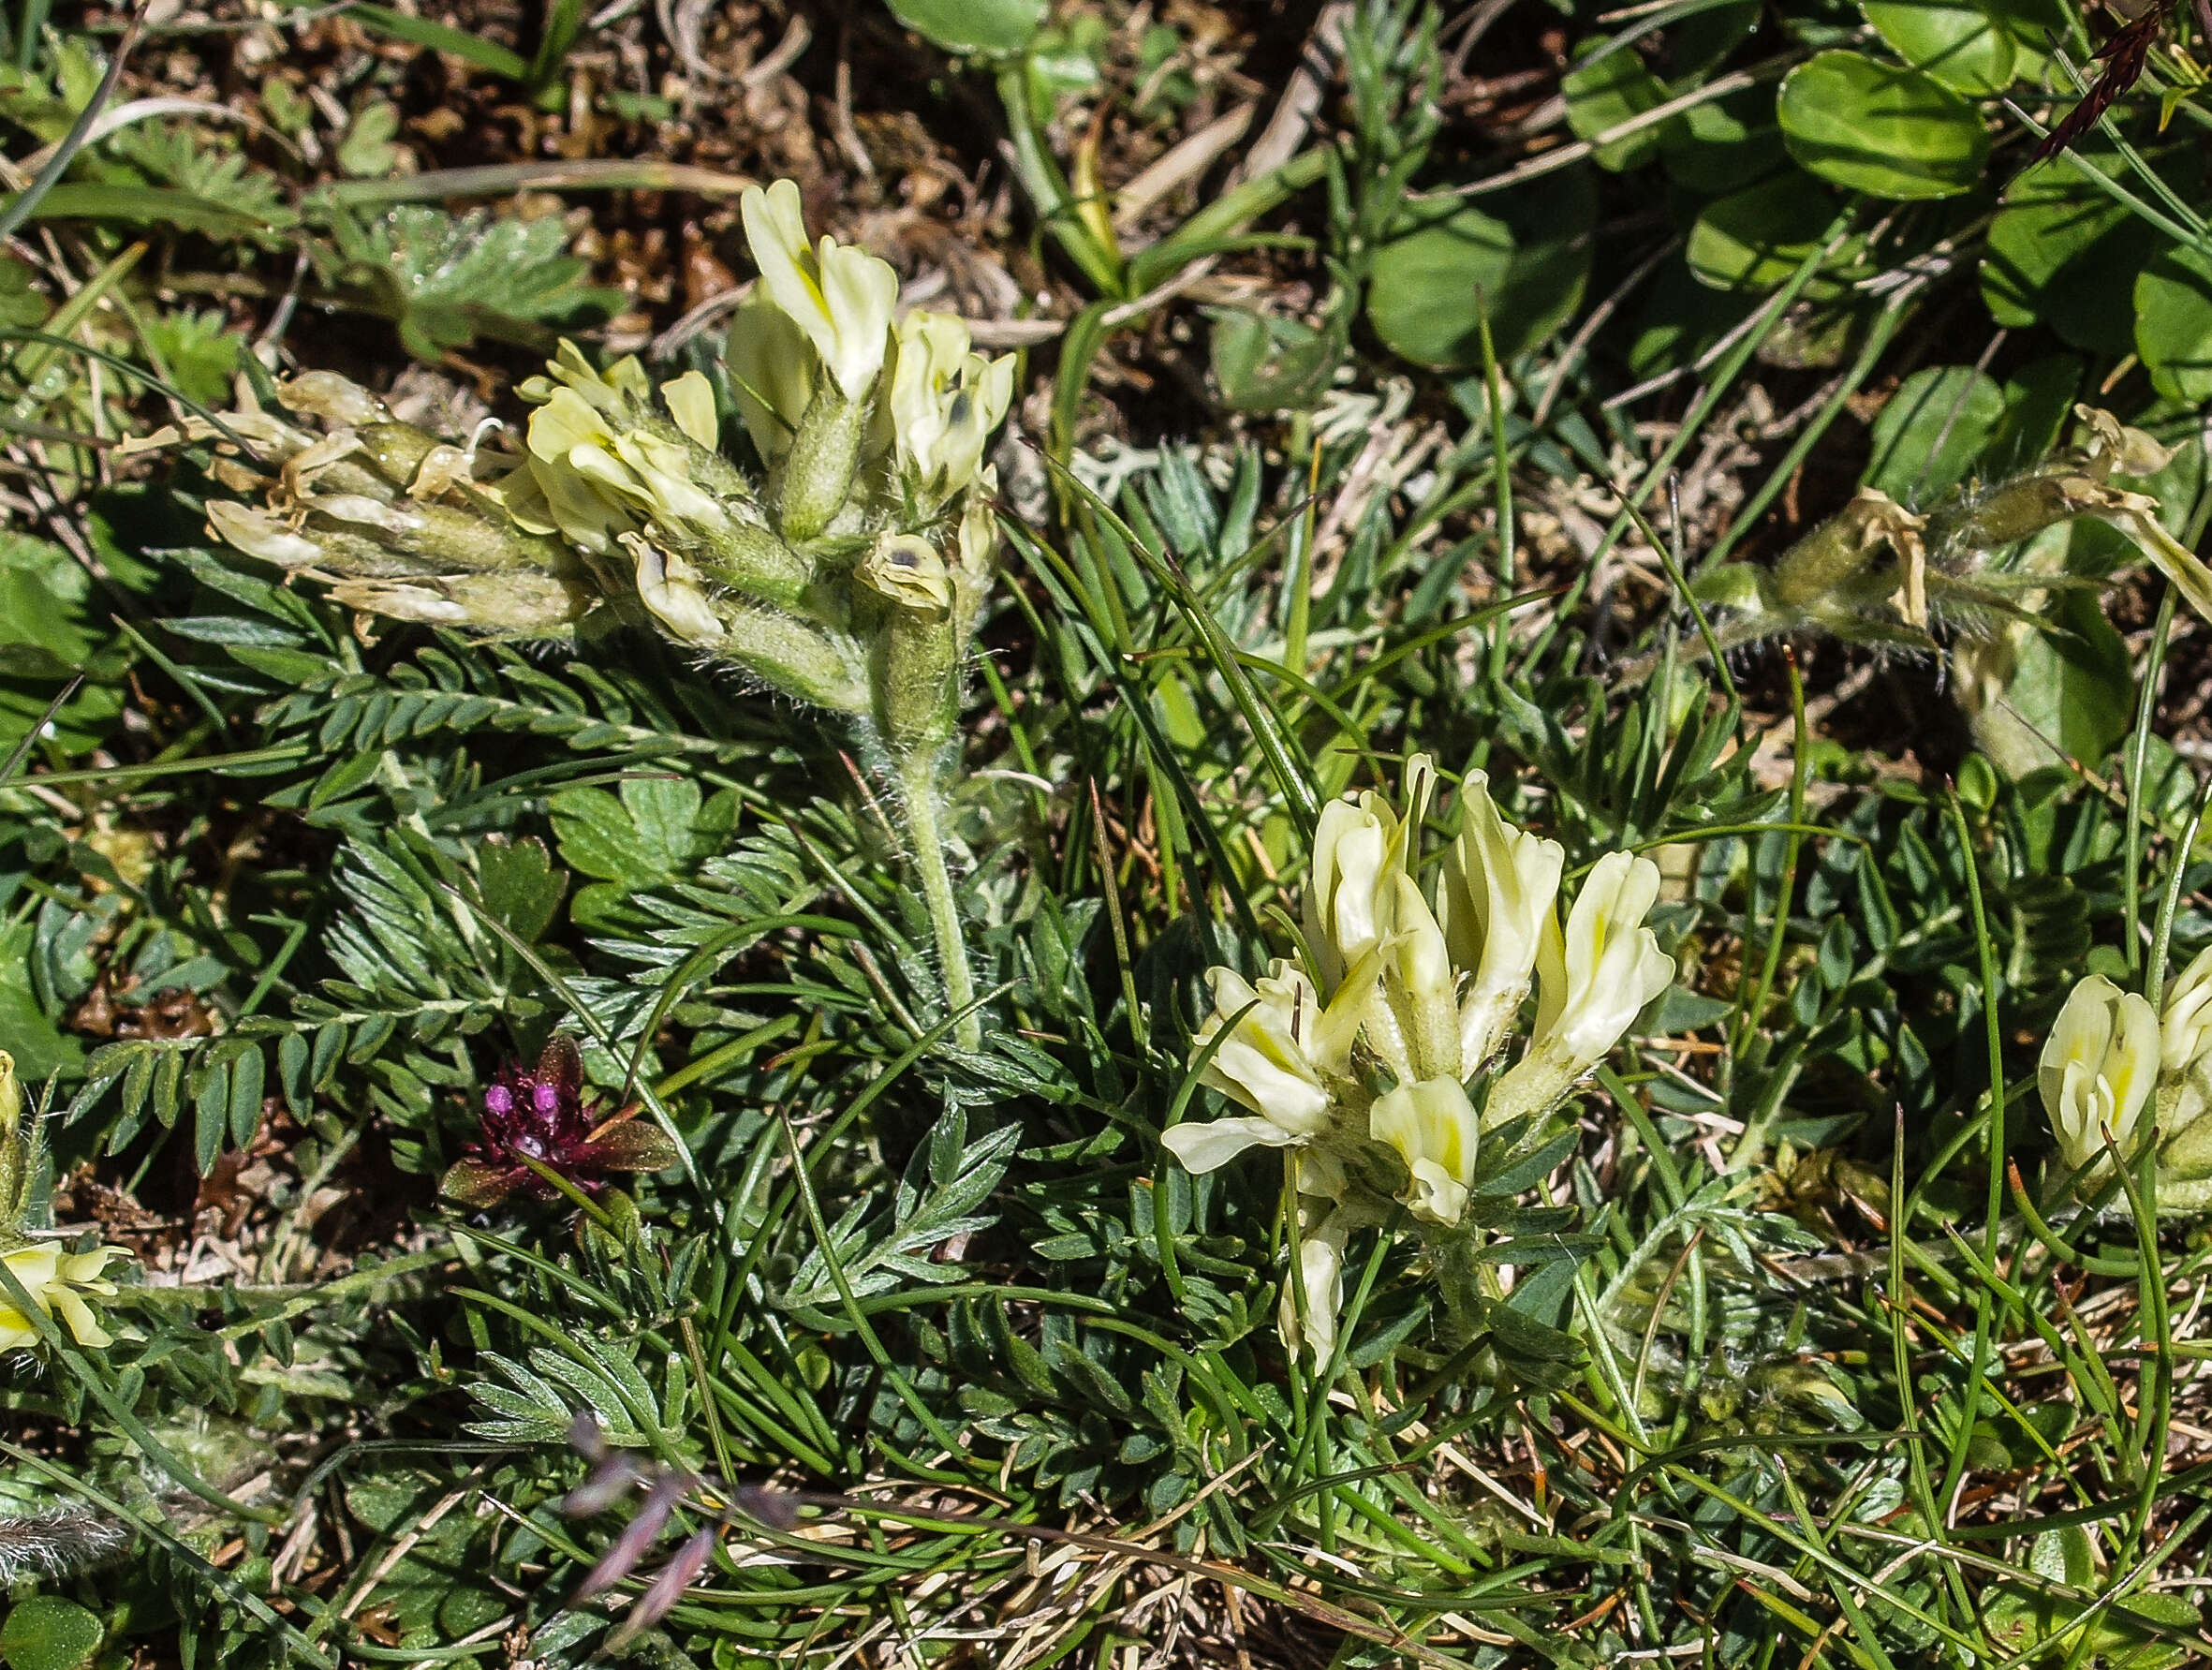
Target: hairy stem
918,792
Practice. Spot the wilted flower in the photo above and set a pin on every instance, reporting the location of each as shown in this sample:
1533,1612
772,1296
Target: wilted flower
2098,1070
543,1115
390,514
1432,1125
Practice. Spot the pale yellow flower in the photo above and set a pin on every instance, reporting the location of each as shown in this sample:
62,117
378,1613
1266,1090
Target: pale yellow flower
600,476
944,401
2185,1029
1433,1127
2098,1070
1496,901
59,1285
1275,1062
1600,974
841,299
771,374
1318,1280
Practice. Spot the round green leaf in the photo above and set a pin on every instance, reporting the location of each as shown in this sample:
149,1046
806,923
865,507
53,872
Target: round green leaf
2071,686
1602,94
1959,44
1702,37
1722,146
47,1632
2173,324
1525,264
1931,432
972,26
2062,253
1754,239
1881,128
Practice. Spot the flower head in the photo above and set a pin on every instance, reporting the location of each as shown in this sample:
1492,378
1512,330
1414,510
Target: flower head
944,401
1433,1127
841,299
60,1284
2098,1070
543,1115
602,463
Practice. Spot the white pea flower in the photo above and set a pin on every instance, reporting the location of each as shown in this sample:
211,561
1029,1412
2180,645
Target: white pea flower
1319,1280
1600,974
944,401
1351,844
1434,1128
669,587
1273,1062
840,297
772,374
2097,1068
1357,843
1593,980
2186,1029
1496,901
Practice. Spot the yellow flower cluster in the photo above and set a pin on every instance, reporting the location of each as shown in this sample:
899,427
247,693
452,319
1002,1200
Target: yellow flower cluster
622,508
1420,990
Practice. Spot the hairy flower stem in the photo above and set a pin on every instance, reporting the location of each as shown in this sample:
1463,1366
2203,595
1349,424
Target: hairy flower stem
918,795
1468,1282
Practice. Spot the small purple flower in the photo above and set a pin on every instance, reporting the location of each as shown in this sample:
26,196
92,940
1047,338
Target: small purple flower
544,1115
